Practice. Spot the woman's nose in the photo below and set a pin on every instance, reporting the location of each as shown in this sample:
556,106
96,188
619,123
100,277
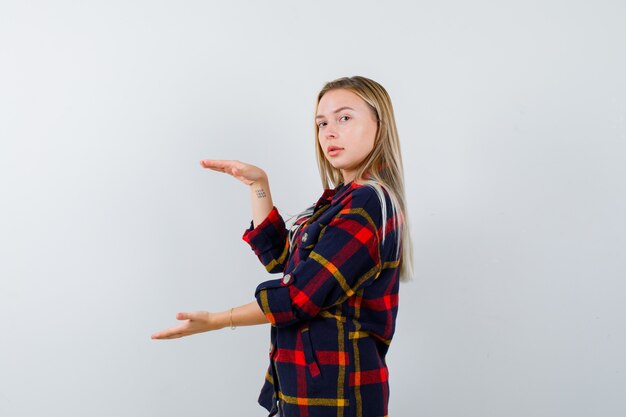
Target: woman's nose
330,131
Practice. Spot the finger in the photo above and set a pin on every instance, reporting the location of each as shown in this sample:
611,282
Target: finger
192,315
183,316
168,336
160,335
208,162
228,165
210,165
215,163
225,168
174,330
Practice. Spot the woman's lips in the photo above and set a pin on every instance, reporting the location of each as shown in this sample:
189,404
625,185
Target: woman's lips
332,151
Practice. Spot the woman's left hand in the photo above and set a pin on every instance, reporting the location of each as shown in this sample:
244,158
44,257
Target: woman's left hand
195,322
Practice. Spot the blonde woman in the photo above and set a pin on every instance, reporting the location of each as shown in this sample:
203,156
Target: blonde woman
333,308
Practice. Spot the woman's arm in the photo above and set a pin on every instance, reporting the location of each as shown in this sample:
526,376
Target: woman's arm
202,321
261,200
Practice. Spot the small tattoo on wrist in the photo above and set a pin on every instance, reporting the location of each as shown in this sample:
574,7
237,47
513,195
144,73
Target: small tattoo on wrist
260,193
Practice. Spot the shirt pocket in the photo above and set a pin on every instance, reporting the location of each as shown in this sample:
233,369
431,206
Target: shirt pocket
308,239
312,365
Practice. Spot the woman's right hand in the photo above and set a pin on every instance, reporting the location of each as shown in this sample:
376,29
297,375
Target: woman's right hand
194,322
246,173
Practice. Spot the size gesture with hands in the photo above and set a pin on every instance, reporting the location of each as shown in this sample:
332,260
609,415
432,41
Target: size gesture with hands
246,173
328,257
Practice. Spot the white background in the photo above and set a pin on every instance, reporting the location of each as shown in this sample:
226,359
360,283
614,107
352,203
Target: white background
512,118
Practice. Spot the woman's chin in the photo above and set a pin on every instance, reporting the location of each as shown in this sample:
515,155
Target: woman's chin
335,163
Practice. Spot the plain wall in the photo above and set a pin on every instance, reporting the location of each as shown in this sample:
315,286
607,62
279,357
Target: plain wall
512,118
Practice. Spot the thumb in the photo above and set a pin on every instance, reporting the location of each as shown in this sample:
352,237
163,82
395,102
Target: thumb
183,316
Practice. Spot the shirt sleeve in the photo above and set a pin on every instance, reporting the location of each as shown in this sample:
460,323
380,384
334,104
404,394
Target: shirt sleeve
345,258
269,241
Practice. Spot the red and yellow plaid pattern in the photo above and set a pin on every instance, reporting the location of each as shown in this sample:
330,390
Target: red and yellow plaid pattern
333,311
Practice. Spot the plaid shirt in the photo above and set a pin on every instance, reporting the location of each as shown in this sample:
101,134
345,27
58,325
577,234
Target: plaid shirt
333,311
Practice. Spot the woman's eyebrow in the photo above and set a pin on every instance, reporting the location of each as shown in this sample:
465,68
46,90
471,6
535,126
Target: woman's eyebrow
319,116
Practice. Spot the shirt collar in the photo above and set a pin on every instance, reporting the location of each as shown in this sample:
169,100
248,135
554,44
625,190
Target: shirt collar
332,195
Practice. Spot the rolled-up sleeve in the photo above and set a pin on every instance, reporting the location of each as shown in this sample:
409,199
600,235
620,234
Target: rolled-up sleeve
345,258
269,241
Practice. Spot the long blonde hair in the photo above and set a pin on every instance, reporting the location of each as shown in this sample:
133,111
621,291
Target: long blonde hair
382,168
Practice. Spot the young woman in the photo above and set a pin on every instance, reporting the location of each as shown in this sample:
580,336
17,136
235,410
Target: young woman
333,309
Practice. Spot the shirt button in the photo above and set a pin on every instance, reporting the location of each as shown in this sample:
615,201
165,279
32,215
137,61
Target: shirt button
304,237
286,278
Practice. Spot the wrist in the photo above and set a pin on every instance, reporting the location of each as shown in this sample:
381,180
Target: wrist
260,182
218,321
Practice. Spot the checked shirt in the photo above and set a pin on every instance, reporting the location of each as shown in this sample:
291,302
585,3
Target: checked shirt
333,310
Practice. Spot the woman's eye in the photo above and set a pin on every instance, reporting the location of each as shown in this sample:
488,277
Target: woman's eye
321,124
344,118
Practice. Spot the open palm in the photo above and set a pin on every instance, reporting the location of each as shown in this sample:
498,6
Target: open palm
246,173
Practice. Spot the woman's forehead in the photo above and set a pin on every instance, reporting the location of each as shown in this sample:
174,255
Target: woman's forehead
339,99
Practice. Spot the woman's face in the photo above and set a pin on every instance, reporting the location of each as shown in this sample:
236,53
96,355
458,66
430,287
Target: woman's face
347,130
